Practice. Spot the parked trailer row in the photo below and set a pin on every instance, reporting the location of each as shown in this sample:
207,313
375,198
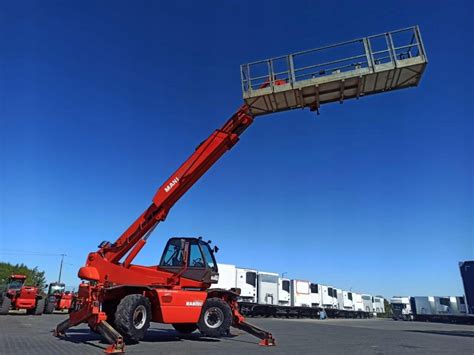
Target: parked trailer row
268,294
450,309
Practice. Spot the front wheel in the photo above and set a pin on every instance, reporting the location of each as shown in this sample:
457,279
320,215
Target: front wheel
132,318
216,318
50,307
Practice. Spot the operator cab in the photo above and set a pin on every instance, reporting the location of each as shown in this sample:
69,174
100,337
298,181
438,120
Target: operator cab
200,263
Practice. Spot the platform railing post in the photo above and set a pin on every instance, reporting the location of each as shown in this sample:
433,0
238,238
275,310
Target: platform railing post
291,70
270,73
421,46
249,78
392,47
242,78
393,56
368,53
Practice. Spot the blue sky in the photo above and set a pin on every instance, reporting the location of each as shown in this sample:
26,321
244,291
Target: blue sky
101,101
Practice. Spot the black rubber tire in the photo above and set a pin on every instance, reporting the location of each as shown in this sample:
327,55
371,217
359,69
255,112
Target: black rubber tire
5,305
185,328
50,307
225,317
124,317
39,308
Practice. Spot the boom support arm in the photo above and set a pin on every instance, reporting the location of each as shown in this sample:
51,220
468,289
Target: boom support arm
205,155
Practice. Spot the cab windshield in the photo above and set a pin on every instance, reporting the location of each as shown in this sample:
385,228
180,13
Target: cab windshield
56,289
16,284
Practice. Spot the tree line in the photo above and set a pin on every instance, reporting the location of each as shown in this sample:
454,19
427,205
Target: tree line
34,277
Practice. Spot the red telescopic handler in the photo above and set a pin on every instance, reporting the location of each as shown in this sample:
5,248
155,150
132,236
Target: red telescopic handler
17,296
119,299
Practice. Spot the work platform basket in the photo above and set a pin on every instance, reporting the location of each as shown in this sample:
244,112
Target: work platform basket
334,73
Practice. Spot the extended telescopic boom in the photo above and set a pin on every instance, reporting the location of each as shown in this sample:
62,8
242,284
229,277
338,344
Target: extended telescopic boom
205,155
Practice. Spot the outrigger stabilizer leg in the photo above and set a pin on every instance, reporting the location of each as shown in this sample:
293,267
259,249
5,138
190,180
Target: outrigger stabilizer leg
267,338
96,321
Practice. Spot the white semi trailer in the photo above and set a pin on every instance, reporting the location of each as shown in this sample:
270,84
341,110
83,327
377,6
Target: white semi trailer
358,303
246,281
340,298
367,303
300,293
267,288
231,277
348,303
378,304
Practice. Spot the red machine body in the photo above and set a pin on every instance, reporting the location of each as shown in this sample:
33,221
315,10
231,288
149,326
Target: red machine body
17,296
177,290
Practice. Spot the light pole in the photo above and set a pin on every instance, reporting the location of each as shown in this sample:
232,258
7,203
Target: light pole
61,267
283,274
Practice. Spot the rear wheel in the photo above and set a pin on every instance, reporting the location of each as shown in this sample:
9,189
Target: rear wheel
132,318
5,305
216,318
185,328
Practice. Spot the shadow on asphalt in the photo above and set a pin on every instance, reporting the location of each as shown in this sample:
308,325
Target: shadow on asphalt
164,335
86,336
456,333
82,336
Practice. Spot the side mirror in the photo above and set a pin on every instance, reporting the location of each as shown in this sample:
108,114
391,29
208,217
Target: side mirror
215,249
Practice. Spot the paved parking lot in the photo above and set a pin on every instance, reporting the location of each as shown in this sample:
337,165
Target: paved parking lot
22,334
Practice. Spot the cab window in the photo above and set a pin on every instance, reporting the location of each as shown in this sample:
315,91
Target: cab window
195,256
173,255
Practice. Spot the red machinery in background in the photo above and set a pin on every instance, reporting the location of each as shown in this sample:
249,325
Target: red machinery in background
119,299
17,296
58,299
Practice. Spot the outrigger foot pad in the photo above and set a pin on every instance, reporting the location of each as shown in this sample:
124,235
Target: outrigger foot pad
113,337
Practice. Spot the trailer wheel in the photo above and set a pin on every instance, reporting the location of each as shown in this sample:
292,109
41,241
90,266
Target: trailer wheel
133,316
216,318
185,328
5,305
50,307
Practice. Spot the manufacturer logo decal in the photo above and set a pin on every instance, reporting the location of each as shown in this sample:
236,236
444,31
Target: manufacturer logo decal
171,184
194,303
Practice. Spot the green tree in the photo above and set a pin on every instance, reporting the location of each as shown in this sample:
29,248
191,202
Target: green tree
34,277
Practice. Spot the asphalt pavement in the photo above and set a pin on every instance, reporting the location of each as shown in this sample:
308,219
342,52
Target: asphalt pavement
23,334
